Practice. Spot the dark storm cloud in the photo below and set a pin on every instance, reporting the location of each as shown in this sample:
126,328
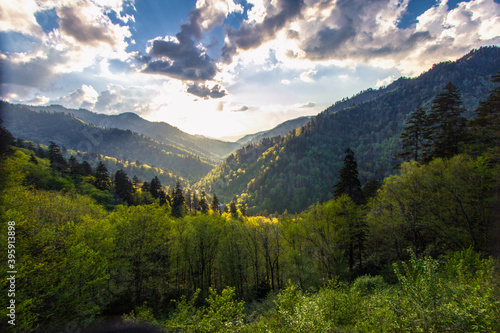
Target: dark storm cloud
182,59
252,36
203,91
329,40
72,25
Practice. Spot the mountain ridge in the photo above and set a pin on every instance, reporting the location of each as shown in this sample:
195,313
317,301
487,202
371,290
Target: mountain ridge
209,148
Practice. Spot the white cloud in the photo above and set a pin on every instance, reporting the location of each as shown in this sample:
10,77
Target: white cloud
308,76
83,97
385,82
19,16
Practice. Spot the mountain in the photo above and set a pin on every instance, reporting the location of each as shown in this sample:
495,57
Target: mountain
280,130
292,172
74,133
212,149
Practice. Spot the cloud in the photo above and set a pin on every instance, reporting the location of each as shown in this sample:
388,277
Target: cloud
19,16
118,99
83,31
251,35
308,76
308,105
84,97
30,72
205,92
179,57
38,100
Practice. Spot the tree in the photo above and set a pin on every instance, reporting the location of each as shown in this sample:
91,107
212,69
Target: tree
348,179
412,137
485,128
445,125
136,181
33,159
177,201
57,161
6,140
215,204
232,209
74,166
86,169
203,203
370,188
123,187
101,177
155,187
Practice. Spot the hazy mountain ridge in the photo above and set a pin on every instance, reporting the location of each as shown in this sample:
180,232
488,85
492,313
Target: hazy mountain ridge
74,133
163,132
300,169
280,130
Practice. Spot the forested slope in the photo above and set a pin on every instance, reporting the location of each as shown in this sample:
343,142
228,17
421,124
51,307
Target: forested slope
163,132
73,133
293,172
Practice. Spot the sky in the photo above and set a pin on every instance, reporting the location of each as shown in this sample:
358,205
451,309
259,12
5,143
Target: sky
226,68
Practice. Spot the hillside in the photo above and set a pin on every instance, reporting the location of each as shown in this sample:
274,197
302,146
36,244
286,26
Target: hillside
208,148
293,172
73,133
280,130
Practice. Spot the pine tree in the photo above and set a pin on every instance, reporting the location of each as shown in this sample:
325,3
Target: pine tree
485,128
412,137
136,181
57,161
188,200
102,180
232,209
33,159
155,187
445,125
348,179
203,203
86,169
123,187
177,201
215,204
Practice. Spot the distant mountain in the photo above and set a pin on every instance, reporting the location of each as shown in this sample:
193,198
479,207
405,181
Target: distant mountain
292,172
212,149
280,130
74,133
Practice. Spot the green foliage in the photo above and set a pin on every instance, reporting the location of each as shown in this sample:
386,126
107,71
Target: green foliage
223,313
293,172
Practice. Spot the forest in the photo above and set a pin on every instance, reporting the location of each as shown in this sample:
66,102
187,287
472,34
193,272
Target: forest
295,171
413,252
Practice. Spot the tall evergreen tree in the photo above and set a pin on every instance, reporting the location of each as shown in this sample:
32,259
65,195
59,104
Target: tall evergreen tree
215,204
102,180
86,169
57,161
203,203
177,201
155,187
232,209
136,181
412,138
188,200
33,159
446,129
123,187
348,179
485,128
